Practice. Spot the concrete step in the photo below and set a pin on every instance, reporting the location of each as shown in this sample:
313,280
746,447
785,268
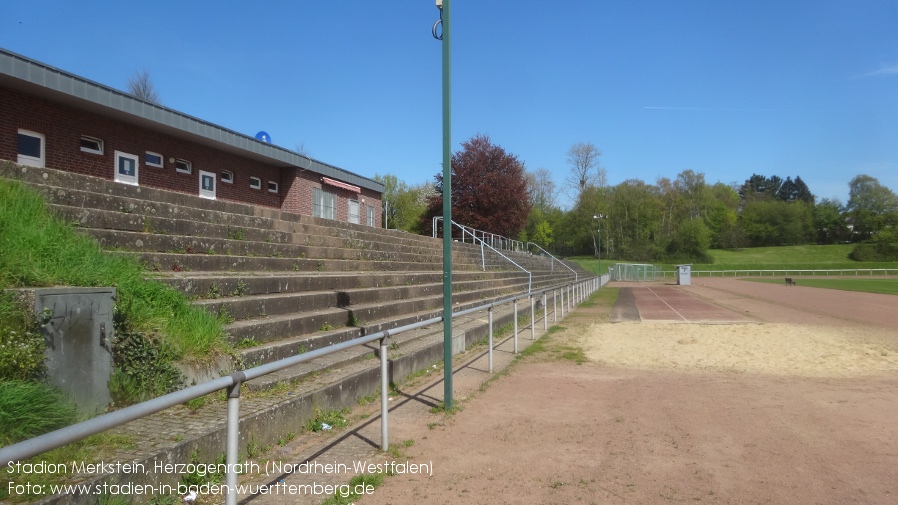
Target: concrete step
92,210
421,347
150,242
95,193
177,262
106,195
382,316
236,284
277,303
190,245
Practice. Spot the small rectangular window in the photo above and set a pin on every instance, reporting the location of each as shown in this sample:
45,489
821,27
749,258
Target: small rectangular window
272,187
91,145
255,183
227,176
154,159
31,149
183,166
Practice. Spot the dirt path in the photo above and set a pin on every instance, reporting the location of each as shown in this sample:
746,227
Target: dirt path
797,407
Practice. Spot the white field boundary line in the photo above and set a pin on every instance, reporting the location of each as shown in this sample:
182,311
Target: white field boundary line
668,305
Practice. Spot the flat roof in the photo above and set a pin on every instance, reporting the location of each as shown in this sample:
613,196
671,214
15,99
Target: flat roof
35,78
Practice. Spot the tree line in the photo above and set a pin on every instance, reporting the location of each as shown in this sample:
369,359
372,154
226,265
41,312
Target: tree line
672,220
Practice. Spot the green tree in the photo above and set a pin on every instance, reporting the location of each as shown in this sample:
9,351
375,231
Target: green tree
634,222
403,205
871,206
829,222
775,222
760,187
691,242
538,230
795,191
722,217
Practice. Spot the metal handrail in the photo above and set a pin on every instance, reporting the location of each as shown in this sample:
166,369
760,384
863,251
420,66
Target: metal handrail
483,257
554,259
474,239
32,447
515,245
788,271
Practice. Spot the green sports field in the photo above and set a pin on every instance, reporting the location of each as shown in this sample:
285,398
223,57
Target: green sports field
888,286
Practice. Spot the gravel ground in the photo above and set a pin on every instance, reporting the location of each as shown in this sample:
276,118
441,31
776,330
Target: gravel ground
796,406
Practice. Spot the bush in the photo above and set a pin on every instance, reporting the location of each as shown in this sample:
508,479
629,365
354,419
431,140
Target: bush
21,355
143,368
29,409
21,343
879,251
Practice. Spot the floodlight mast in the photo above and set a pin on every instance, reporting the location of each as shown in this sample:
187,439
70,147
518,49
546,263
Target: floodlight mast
444,37
598,218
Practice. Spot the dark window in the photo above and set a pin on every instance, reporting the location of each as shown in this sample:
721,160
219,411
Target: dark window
29,145
153,159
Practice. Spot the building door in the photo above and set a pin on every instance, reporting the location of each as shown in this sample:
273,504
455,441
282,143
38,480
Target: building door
207,185
126,168
354,211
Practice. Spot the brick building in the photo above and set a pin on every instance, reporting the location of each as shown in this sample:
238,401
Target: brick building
53,119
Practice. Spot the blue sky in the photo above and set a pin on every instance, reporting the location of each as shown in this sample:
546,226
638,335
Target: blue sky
774,87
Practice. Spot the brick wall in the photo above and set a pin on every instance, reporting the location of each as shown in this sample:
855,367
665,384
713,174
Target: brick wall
63,127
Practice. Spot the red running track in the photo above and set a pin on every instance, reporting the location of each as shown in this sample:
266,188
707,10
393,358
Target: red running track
672,304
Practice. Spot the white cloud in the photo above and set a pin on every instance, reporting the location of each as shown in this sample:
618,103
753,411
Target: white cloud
884,70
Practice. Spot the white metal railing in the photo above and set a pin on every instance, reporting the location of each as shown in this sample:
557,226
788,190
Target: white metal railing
466,230
784,272
494,240
577,292
554,259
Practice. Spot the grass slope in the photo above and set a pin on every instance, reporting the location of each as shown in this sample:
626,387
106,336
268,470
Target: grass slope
807,257
39,250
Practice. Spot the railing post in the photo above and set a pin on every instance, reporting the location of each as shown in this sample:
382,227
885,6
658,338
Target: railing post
545,313
482,256
516,326
384,400
562,301
490,312
232,449
532,318
555,305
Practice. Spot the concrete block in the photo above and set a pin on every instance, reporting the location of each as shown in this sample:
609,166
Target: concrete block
78,333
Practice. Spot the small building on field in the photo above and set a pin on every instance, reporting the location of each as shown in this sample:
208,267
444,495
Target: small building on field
54,119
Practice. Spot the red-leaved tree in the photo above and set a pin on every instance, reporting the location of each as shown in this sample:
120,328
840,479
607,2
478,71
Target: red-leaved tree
489,190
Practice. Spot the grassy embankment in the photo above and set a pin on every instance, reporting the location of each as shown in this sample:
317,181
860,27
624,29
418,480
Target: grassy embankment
794,258
39,250
804,257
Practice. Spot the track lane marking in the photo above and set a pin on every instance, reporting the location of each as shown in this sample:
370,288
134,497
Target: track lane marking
668,305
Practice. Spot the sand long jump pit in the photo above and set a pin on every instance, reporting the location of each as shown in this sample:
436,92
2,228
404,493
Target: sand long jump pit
774,394
742,326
